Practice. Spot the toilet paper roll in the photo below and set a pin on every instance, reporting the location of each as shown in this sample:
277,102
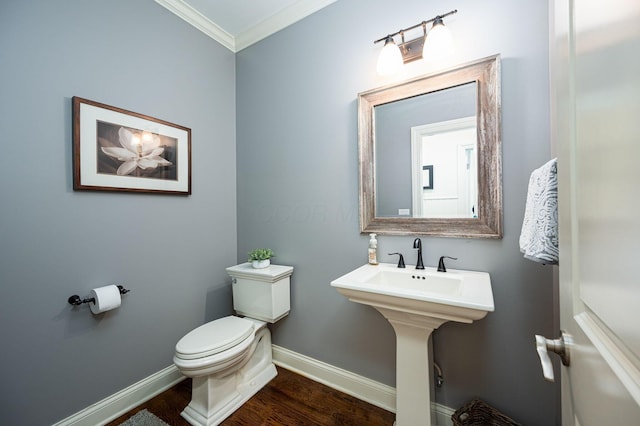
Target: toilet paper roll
106,298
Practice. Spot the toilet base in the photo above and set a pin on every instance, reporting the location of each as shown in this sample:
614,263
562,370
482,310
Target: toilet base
215,397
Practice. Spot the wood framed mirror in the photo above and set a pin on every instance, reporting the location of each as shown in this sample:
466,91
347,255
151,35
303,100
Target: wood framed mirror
430,154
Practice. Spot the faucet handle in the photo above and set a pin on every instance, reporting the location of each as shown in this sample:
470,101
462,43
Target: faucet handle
400,261
441,267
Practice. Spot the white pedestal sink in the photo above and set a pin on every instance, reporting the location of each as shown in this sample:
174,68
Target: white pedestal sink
416,302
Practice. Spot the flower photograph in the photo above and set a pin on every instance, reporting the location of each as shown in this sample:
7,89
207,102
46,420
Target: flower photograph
125,151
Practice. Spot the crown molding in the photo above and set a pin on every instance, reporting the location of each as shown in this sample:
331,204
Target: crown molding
201,22
279,21
271,25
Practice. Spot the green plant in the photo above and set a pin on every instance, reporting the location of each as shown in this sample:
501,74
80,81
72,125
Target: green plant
261,254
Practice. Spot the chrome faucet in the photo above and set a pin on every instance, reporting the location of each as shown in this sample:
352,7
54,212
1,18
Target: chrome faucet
417,244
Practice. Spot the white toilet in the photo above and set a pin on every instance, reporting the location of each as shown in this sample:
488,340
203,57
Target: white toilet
229,359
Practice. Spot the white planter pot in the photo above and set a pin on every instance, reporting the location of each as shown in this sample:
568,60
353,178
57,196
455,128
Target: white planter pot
261,264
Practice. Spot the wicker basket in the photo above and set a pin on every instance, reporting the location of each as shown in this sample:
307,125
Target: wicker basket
479,413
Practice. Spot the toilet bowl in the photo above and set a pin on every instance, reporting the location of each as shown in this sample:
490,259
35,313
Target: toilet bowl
229,359
228,370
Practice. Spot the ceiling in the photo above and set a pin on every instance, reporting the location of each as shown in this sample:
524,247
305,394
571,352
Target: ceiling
237,24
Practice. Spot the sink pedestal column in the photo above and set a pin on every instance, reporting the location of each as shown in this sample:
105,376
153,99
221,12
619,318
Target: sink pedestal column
413,367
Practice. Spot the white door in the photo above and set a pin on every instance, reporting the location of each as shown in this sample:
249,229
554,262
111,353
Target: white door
595,93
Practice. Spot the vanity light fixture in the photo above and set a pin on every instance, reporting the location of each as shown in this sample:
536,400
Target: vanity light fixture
439,44
390,59
435,44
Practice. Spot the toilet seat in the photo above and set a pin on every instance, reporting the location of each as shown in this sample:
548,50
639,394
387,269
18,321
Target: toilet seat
214,337
216,346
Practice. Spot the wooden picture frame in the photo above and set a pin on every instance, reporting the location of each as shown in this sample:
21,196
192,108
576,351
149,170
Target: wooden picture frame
119,150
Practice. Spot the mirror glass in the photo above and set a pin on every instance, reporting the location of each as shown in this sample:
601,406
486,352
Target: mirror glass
426,155
430,154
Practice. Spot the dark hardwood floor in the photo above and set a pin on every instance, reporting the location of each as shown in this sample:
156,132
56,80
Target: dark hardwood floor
288,400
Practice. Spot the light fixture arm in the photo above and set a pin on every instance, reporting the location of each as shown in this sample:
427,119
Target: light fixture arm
423,24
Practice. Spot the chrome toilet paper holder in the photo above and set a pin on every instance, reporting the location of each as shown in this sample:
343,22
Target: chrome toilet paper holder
77,301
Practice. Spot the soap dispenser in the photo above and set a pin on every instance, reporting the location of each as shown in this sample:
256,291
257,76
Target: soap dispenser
373,248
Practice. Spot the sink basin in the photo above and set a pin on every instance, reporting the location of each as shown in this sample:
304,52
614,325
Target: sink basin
433,283
455,295
416,302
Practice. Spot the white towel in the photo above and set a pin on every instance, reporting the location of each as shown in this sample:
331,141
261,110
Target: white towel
539,235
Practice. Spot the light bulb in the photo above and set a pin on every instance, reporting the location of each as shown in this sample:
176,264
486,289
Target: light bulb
439,43
390,59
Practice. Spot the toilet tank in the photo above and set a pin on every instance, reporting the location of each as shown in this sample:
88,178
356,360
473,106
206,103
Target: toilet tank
261,293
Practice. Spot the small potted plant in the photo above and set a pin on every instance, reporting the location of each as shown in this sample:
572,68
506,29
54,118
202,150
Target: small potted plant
260,257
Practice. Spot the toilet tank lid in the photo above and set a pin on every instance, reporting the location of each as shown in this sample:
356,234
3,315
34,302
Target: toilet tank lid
214,337
271,274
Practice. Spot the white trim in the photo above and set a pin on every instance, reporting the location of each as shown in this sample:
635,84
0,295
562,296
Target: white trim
114,406
365,389
375,393
201,22
280,20
271,25
443,414
623,367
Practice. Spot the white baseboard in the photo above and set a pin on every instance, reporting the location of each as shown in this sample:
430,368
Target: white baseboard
373,392
114,406
443,414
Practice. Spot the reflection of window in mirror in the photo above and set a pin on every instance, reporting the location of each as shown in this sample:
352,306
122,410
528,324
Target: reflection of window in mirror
445,123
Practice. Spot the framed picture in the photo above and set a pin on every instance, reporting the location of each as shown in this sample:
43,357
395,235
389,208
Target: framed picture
427,177
119,150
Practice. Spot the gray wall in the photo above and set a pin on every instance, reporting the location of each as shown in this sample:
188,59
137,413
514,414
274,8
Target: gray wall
171,251
297,193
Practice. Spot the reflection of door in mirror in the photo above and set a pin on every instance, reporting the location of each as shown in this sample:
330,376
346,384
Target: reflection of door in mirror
444,122
449,149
